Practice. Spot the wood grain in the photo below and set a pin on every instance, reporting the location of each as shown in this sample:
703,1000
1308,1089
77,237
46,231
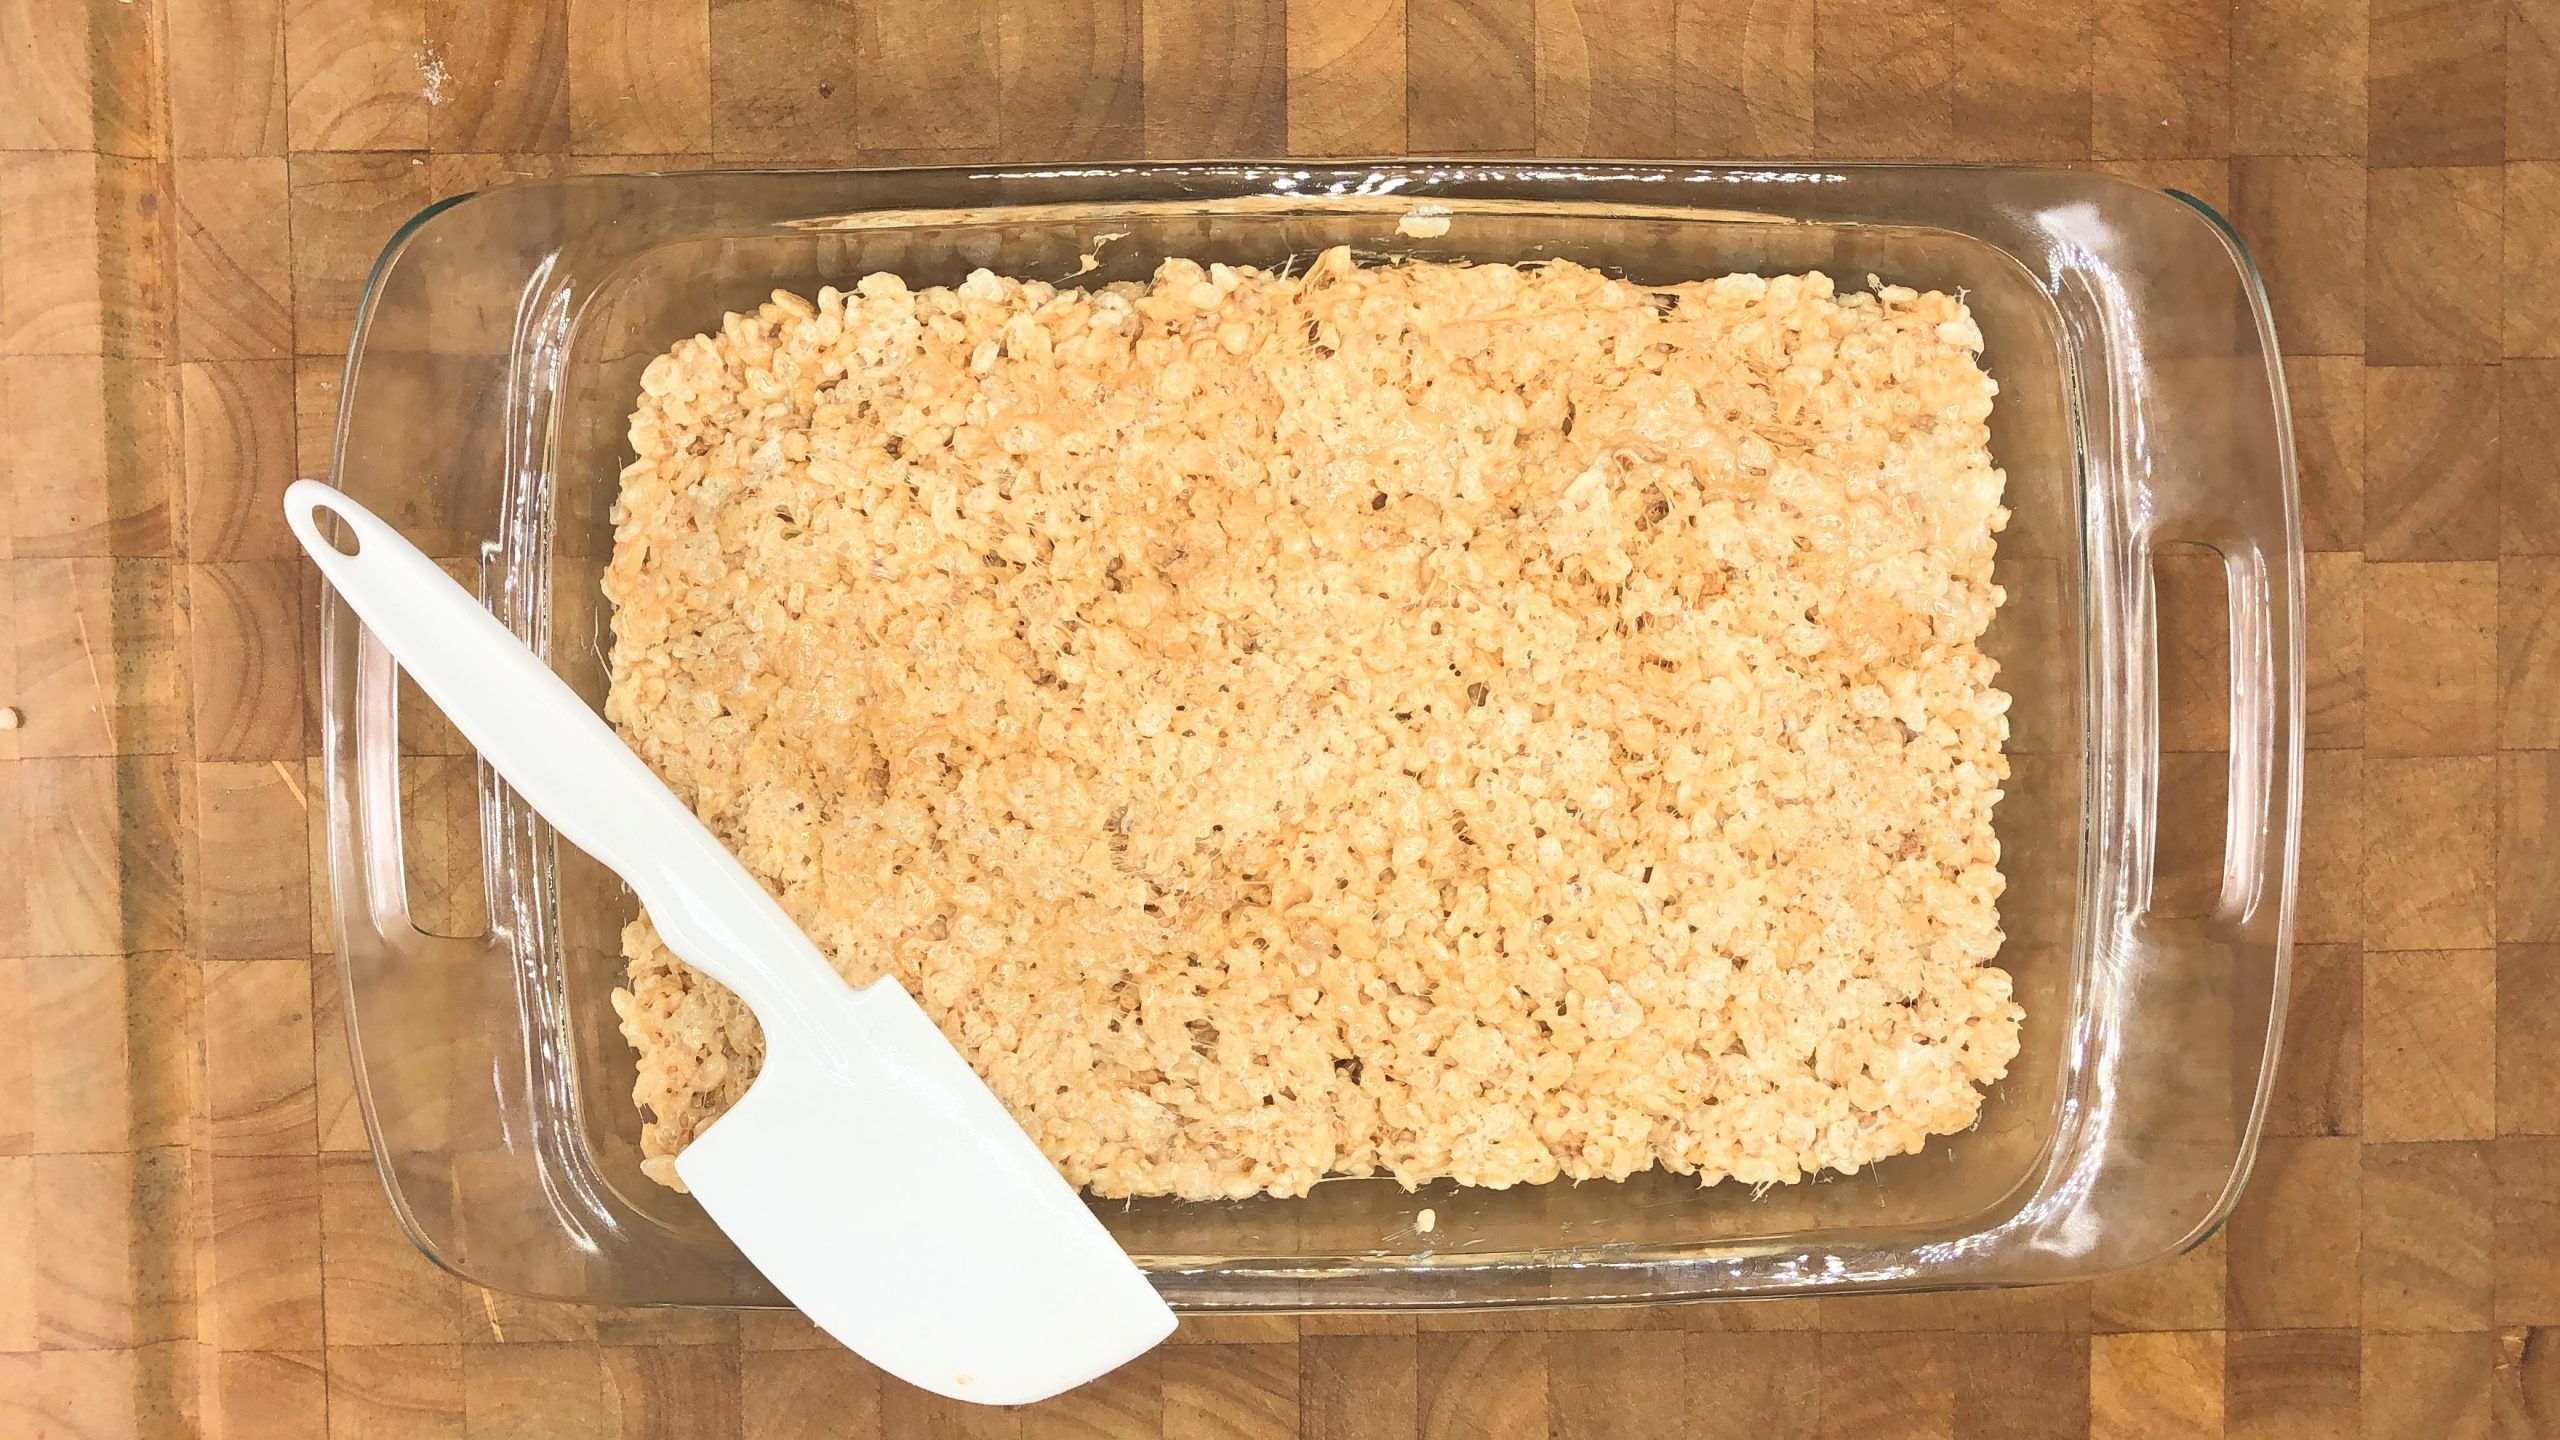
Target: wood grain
2431,228
192,1236
2427,1236
2431,462
1744,78
2431,666
1347,79
1472,80
2437,82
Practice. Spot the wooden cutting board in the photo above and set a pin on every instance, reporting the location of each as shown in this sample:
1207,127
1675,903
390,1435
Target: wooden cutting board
191,1237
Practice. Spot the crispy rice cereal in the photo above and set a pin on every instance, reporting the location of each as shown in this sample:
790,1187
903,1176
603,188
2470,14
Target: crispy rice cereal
1487,722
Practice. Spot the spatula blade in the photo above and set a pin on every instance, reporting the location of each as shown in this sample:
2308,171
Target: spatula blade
886,1192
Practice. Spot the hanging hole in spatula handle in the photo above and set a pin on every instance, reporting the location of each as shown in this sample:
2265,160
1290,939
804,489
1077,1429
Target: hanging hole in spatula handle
318,521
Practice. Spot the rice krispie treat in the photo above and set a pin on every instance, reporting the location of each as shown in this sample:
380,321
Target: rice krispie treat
1485,722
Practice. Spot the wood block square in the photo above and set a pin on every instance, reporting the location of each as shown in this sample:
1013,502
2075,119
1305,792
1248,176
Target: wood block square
2527,1239
253,897
2431,458
2327,395
137,293
1875,1384
86,484
15,928
1071,82
235,280
345,207
238,458
2021,1387
50,104
2430,857
247,643
2319,1088
2529,653
1366,1384
2430,1033
164,1016
316,382
2533,81
2436,83
2297,77
2304,220
86,1258
2528,484
2426,1236
909,57
793,1392
1346,85
506,67
51,302
551,1390
2291,1264
667,1392
1605,77
2156,1385
83,1393
377,1288
2193,626
2530,298
2529,845
315,781
100,848
226,77
403,1390
2329,879
2334,683
17,1257
1217,77
782,79
1470,87
2428,1387
356,74
1492,1383
1743,86
19,1031
2431,673
80,1096
98,671
2435,237
334,1067
257,1057
2020,92
1246,1391
2278,1384
1622,1382
2163,79
262,1283
639,77
1883,80
2529,1040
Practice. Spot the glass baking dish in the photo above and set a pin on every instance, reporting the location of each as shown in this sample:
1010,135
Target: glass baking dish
2148,916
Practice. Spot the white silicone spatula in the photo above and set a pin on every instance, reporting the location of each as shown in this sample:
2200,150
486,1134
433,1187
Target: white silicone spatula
868,1172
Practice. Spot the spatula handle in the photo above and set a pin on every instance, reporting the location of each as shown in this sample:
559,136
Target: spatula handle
567,763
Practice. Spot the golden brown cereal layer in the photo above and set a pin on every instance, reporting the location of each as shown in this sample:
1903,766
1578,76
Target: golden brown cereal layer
1480,722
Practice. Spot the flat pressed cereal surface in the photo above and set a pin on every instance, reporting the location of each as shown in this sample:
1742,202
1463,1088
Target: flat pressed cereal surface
1485,722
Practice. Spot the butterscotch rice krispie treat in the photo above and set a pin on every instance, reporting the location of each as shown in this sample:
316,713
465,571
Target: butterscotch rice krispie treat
1487,722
